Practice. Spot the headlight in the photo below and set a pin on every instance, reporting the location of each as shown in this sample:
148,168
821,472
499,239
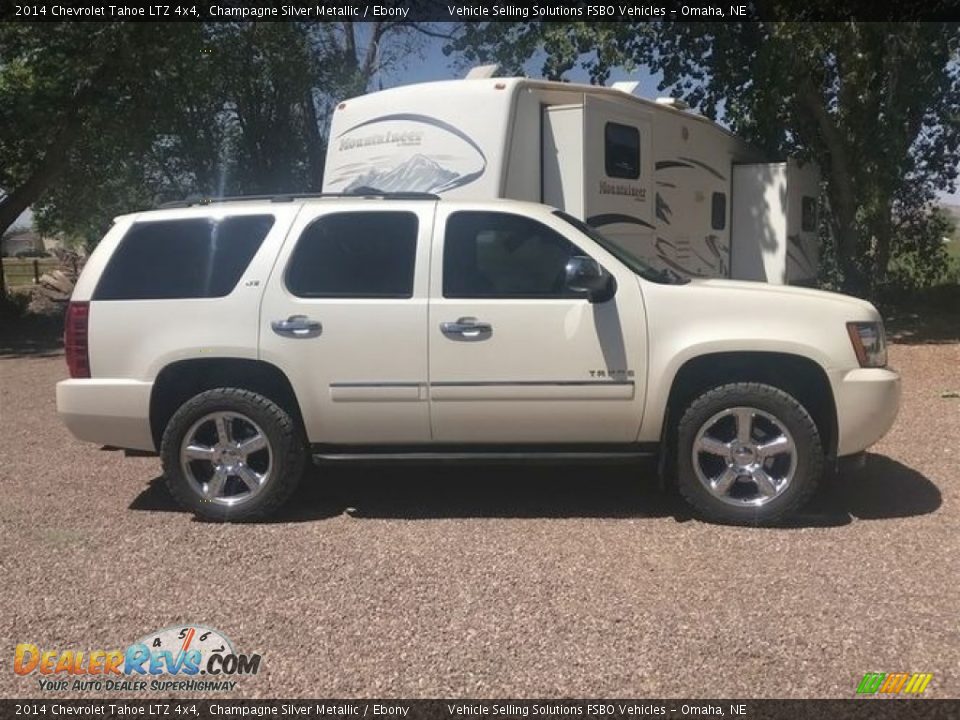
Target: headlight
869,343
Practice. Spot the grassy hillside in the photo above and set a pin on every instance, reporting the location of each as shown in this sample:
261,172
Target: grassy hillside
953,247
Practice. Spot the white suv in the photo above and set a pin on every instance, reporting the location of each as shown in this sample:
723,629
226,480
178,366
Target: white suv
240,338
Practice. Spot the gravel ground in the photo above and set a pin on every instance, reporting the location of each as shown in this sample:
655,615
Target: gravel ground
494,582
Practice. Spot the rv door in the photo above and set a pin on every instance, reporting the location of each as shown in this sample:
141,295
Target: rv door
803,191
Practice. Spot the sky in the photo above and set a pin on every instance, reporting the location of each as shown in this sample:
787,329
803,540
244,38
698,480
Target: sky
437,66
25,220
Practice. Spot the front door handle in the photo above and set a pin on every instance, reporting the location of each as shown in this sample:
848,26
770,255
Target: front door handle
466,327
298,326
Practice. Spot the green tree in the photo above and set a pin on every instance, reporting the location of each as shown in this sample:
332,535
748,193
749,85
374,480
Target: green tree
223,115
98,120
62,84
877,105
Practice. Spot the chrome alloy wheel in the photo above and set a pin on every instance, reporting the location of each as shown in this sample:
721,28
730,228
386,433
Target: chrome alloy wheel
226,457
744,456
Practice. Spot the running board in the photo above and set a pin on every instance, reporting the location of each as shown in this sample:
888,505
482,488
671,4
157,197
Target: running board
631,453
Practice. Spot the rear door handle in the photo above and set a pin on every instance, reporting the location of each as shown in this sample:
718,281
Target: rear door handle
298,326
466,327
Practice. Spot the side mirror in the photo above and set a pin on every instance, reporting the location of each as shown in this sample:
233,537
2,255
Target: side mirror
584,274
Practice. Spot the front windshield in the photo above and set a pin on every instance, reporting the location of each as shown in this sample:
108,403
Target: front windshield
639,266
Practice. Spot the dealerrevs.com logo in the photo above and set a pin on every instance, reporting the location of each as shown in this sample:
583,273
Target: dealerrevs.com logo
186,658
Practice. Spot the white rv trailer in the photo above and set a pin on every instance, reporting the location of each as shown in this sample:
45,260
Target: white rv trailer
668,185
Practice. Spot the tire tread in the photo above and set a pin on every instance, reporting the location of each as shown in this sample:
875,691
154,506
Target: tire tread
730,515
290,461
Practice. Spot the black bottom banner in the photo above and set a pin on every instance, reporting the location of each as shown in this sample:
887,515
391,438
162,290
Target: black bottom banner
867,709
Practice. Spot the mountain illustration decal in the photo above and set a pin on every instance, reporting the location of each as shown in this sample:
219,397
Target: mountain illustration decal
418,174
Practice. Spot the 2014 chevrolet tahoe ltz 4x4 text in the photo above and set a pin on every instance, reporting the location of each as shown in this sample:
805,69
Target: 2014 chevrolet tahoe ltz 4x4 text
239,339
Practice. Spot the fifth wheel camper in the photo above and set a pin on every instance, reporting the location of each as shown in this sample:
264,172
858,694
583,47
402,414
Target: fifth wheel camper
670,187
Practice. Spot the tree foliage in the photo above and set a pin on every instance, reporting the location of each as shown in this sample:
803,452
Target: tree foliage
101,119
61,85
877,105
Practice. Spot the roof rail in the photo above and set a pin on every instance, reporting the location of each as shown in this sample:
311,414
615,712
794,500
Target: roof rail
290,197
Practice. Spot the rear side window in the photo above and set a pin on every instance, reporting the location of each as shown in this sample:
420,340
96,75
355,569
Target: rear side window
191,258
718,211
621,151
355,255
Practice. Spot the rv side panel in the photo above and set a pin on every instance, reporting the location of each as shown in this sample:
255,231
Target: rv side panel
522,156
562,160
427,138
693,164
760,222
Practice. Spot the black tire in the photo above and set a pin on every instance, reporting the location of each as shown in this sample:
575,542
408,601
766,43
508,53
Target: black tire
790,414
287,449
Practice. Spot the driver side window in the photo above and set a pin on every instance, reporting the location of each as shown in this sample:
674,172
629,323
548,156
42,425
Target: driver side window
499,255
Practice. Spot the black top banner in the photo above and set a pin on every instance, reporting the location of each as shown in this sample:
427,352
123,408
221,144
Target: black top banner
479,10
562,709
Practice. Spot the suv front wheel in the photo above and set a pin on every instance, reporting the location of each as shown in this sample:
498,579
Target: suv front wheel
230,454
747,454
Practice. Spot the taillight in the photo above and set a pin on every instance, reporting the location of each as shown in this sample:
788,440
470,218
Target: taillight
75,339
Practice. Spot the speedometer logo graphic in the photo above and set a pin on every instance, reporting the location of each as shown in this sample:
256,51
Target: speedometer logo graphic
178,640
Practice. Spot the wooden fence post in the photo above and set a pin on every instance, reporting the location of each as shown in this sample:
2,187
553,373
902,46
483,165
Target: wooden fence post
36,271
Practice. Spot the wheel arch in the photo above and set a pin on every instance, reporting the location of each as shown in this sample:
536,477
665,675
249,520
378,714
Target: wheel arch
800,376
181,380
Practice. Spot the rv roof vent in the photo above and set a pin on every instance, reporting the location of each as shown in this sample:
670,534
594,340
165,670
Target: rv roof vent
480,72
673,102
627,86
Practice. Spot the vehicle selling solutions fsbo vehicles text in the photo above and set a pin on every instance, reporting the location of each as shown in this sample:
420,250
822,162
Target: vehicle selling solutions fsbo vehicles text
525,11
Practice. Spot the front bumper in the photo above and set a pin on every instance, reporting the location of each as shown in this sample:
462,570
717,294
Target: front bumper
107,412
867,403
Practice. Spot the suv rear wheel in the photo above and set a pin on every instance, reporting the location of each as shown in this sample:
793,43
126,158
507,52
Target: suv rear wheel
747,454
230,455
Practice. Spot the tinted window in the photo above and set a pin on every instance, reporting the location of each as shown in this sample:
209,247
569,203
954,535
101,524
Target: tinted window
355,254
497,255
808,221
718,211
193,258
622,151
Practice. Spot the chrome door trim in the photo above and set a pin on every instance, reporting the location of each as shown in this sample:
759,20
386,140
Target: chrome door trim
530,383
526,390
377,391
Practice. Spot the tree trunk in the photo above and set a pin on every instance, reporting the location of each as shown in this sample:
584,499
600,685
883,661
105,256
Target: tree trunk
843,213
843,202
314,141
22,197
55,158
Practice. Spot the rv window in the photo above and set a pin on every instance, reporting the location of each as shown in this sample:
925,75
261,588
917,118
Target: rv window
622,151
189,258
808,220
718,211
498,255
355,254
